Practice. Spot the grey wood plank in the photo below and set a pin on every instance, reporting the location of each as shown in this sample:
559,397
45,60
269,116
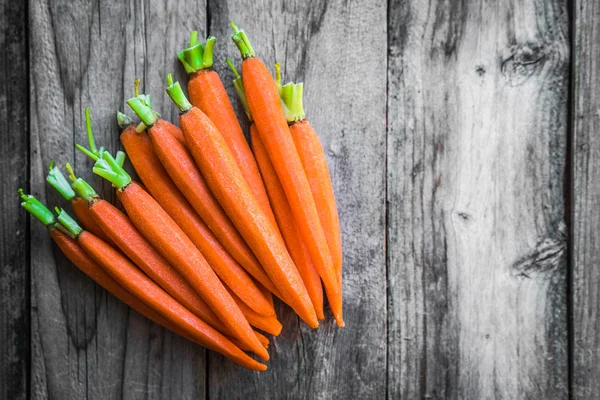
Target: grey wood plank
338,50
87,53
585,154
477,125
14,258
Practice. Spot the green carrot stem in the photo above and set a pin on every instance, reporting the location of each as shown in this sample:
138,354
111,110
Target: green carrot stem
57,180
90,135
197,56
120,157
291,95
81,187
176,94
108,168
66,221
278,76
143,111
37,209
238,84
242,42
123,120
87,152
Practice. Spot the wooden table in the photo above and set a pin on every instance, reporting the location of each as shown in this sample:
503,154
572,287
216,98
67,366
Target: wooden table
462,139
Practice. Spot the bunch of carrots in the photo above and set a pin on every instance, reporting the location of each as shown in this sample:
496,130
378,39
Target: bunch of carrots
216,227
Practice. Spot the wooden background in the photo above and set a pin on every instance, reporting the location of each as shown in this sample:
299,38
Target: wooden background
462,141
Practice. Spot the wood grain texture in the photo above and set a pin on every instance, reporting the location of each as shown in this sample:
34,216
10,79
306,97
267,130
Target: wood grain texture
14,257
477,125
87,53
338,50
586,201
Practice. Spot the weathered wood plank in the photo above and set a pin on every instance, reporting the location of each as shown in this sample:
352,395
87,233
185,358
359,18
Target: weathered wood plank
585,155
14,258
338,50
86,53
477,131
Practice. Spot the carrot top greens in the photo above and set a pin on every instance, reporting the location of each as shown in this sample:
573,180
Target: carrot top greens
71,227
141,104
123,120
239,88
291,96
197,56
242,42
57,180
176,94
81,187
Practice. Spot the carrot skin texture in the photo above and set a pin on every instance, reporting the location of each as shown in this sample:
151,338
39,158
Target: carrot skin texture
265,105
268,324
315,166
83,215
207,92
287,224
162,188
226,181
88,266
127,238
166,236
153,296
182,169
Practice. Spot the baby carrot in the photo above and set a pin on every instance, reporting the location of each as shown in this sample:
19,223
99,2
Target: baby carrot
265,105
81,260
57,180
182,169
124,234
136,282
164,191
313,160
207,92
226,181
281,208
166,236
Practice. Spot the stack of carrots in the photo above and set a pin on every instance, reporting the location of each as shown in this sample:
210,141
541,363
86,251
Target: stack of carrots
216,226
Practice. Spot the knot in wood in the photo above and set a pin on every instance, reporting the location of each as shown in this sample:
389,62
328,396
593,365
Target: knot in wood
524,61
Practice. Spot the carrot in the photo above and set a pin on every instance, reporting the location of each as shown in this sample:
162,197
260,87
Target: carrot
268,324
207,92
164,191
124,234
57,180
313,160
137,283
166,236
265,105
182,169
81,260
226,181
281,208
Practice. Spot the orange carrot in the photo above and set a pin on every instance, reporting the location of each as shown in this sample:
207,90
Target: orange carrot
166,236
185,174
287,224
81,260
164,191
207,92
313,160
57,180
125,235
281,208
227,183
268,324
137,283
265,105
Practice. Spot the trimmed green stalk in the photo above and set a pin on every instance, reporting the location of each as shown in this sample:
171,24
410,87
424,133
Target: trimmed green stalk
176,94
123,120
66,221
238,84
141,104
197,56
90,135
292,98
57,180
41,213
81,187
108,168
242,42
